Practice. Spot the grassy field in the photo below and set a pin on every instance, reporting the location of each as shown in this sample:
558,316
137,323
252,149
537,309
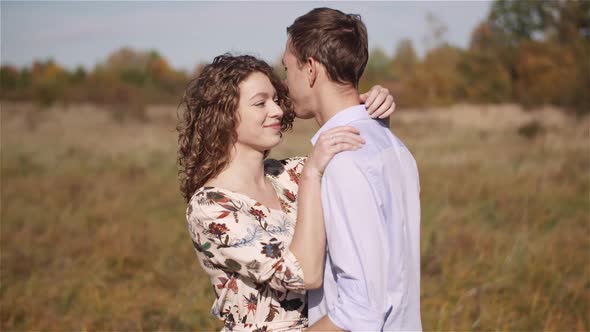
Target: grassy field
93,234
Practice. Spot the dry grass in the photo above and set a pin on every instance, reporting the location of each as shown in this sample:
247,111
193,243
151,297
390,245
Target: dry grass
93,235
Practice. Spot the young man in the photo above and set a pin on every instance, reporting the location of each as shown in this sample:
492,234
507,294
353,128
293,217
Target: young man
370,196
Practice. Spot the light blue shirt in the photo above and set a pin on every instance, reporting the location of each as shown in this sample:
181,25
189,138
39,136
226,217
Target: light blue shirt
371,204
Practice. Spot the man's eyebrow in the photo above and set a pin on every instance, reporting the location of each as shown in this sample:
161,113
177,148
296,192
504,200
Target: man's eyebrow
282,61
260,94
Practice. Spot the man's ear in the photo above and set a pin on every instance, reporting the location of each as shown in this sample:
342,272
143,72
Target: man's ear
311,69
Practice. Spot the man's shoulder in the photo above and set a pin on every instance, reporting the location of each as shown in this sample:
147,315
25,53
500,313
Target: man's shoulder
349,163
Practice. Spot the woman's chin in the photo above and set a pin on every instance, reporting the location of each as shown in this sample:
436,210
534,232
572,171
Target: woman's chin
272,143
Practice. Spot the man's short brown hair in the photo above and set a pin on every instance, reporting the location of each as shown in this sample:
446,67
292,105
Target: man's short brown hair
336,40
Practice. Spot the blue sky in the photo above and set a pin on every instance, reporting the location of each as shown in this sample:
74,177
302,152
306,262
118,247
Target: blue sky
186,33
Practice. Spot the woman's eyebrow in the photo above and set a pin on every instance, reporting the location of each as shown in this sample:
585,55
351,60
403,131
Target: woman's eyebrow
260,94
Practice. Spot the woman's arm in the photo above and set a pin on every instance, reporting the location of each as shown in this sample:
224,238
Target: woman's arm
309,241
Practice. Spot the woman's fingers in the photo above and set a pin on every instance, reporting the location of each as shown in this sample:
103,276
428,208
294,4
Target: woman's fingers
345,147
369,97
341,129
331,142
386,109
342,137
388,113
348,130
346,142
380,102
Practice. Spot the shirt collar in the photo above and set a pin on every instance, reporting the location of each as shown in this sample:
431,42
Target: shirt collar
342,118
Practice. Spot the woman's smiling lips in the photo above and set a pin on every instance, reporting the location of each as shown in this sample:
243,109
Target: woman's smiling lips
275,126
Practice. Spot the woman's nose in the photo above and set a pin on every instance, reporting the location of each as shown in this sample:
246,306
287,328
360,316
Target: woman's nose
276,111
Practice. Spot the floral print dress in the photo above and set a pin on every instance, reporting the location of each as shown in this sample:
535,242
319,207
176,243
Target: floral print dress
244,248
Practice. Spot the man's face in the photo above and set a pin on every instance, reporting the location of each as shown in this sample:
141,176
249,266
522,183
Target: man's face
298,83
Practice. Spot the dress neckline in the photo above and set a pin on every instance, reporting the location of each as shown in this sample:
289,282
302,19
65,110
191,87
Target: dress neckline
256,202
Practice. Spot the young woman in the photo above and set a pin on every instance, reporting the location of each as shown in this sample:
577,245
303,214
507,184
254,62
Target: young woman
256,225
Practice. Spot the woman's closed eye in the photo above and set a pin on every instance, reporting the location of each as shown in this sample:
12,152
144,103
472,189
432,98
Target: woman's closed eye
262,103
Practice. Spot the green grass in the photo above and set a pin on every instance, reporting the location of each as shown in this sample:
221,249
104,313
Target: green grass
93,233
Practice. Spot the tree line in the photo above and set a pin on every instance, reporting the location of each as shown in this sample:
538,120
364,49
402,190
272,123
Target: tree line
527,52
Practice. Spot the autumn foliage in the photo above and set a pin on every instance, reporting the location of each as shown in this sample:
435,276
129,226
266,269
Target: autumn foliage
528,52
125,82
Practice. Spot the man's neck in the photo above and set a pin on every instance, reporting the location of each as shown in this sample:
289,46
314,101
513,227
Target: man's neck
332,99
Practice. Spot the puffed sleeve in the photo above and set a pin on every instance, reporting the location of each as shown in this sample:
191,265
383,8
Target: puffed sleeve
224,239
286,171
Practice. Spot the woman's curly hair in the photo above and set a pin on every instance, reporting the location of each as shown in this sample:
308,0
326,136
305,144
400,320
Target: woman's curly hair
208,120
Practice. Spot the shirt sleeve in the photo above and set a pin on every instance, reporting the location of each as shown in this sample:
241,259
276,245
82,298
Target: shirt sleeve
224,239
357,246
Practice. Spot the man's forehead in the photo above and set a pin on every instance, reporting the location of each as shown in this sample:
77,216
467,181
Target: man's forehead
287,48
286,53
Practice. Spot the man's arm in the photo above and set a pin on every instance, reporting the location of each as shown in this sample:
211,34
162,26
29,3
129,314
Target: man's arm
358,248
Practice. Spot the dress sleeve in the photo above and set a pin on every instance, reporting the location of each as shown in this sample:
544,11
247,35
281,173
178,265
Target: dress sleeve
295,165
224,239
287,171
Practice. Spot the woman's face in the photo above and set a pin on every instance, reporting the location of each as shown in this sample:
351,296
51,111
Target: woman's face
259,114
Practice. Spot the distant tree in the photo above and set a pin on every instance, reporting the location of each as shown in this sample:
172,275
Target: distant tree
436,32
485,77
570,22
79,75
378,65
25,78
8,78
544,45
511,22
437,79
126,58
549,74
405,60
485,39
519,20
49,82
130,65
